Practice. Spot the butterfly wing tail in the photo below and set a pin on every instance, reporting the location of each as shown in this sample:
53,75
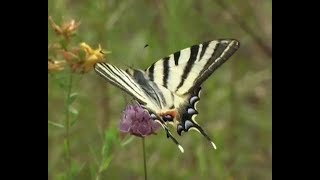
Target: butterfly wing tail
190,124
188,113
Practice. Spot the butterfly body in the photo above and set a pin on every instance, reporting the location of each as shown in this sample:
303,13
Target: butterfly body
170,88
166,104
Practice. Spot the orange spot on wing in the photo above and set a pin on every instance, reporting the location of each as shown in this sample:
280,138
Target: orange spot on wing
174,113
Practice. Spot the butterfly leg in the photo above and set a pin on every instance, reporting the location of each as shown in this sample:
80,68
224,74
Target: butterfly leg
169,135
174,140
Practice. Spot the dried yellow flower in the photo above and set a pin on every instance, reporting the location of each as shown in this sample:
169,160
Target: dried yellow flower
92,56
67,29
54,66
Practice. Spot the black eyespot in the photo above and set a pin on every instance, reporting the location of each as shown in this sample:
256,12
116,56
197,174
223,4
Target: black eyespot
167,117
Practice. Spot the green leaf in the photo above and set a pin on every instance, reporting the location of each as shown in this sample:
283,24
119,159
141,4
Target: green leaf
93,154
73,121
62,84
127,141
76,168
55,124
60,79
109,139
93,171
62,176
72,97
73,110
111,135
104,149
105,164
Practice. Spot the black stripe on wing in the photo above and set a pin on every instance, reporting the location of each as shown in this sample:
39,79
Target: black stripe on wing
176,57
120,79
193,56
151,71
223,50
151,90
165,71
204,48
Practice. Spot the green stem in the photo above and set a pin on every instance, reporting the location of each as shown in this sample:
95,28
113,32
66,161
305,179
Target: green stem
98,176
67,125
144,159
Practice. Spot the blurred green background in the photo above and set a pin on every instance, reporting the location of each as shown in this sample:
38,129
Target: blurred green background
235,105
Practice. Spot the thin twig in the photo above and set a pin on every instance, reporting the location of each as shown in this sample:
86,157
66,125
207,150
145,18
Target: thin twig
266,49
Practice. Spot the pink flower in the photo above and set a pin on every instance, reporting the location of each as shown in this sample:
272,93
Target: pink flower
137,121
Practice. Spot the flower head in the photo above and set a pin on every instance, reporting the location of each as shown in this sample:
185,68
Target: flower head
54,66
92,56
67,29
137,121
80,59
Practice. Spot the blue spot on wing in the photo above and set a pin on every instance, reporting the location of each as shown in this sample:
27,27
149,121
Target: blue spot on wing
188,124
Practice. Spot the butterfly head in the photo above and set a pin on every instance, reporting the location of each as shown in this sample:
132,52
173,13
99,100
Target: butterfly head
164,116
169,116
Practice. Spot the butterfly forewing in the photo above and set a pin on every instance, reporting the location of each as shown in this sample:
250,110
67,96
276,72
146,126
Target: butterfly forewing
135,82
122,80
185,70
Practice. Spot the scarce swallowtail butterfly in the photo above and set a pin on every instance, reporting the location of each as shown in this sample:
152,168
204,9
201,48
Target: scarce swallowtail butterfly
170,88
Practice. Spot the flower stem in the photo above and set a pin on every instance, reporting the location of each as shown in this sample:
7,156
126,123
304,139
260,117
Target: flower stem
67,125
144,159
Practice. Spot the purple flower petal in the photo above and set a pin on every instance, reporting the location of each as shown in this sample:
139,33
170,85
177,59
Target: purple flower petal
155,125
137,121
125,123
144,129
124,126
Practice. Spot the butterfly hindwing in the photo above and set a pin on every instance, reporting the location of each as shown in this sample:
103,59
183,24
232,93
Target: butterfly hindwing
187,115
188,112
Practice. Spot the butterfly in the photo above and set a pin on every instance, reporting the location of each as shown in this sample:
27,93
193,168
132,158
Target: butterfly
170,88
